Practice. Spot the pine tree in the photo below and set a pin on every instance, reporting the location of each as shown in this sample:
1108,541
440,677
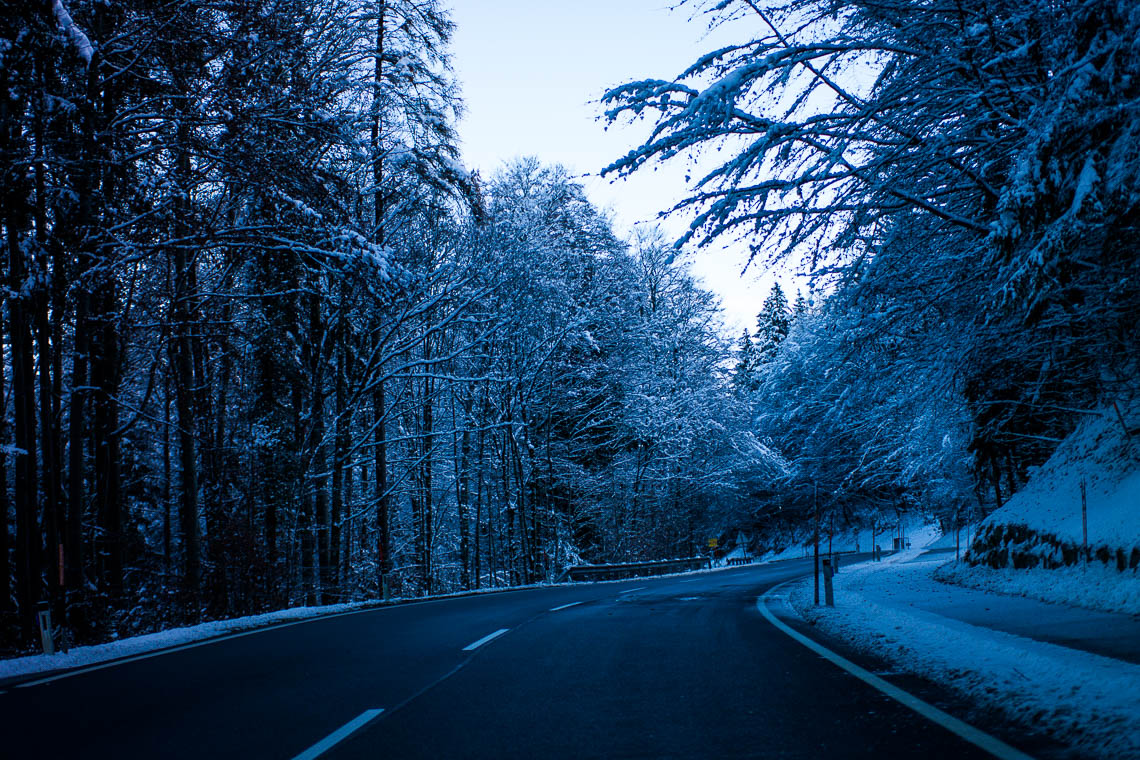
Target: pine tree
744,373
800,306
772,323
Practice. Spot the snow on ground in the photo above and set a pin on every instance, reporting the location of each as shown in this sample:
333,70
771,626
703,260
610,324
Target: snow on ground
946,541
919,533
151,642
795,551
1084,700
1095,587
1099,453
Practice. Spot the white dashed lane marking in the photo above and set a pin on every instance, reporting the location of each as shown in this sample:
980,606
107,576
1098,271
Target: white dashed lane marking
489,637
342,733
564,606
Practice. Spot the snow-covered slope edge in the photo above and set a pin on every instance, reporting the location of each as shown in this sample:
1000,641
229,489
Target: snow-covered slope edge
1041,525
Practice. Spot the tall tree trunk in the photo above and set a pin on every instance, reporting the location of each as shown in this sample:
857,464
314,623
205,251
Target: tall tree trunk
340,452
5,536
224,478
76,555
187,426
379,408
14,189
463,492
48,294
209,448
481,450
319,460
380,451
105,373
427,498
28,536
167,474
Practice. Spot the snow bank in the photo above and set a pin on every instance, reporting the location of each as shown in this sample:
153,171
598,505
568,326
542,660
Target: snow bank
1095,587
153,642
1087,701
1041,524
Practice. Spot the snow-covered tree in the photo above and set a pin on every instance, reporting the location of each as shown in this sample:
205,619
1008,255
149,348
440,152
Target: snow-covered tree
956,176
744,371
772,323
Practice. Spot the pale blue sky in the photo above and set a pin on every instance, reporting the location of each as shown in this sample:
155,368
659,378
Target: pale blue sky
532,71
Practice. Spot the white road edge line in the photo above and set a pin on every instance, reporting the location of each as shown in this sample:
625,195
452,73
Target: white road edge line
975,736
489,637
342,733
631,590
169,650
564,606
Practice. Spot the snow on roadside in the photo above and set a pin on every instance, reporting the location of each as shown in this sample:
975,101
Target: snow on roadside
1096,587
152,642
1099,454
1087,701
921,535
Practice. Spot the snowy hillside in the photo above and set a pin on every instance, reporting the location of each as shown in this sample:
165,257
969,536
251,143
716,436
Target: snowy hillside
1042,524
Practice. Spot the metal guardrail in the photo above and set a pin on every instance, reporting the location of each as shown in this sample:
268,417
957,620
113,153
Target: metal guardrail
631,569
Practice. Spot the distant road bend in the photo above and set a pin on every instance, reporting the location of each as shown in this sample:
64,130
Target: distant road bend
675,667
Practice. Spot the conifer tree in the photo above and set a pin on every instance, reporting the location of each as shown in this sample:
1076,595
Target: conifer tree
744,373
772,323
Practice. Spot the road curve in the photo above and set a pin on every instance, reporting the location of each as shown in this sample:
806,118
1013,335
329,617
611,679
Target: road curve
679,667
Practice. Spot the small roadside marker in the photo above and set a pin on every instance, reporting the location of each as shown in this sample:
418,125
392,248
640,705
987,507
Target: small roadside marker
342,733
489,637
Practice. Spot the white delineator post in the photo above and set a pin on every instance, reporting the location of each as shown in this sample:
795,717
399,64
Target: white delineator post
44,618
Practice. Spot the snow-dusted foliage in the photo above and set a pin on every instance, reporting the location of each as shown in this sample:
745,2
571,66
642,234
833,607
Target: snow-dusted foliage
961,181
271,344
1015,122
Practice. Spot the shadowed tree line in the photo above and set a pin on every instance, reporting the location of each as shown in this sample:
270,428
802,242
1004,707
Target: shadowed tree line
267,343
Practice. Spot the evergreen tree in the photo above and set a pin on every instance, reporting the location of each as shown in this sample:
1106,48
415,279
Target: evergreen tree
800,306
772,323
744,373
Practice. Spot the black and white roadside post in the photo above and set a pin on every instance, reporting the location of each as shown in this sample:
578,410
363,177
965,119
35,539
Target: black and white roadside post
44,617
828,589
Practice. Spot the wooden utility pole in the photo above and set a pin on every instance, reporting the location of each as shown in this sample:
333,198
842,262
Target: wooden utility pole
816,503
1084,525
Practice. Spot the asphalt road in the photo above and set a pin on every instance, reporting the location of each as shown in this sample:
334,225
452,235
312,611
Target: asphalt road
678,667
